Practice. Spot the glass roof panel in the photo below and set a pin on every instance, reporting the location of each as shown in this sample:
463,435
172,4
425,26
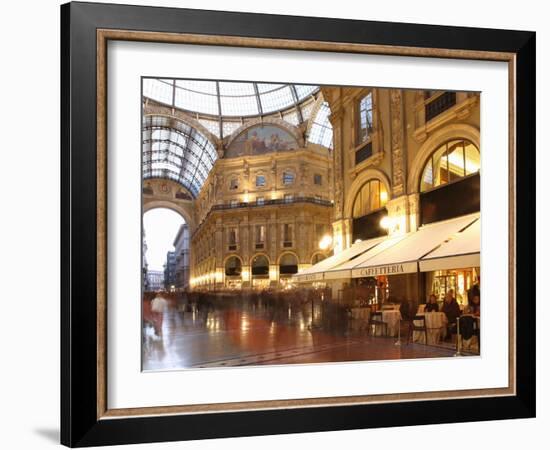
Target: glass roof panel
266,87
174,150
236,89
276,100
202,87
158,90
304,90
196,102
239,106
321,129
237,99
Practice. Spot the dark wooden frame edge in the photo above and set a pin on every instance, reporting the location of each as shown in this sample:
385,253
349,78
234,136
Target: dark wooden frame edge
79,423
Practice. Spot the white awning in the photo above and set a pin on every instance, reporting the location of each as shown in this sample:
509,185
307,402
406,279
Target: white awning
403,257
316,272
459,251
344,270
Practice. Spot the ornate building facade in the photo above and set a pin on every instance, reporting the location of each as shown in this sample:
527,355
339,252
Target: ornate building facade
261,182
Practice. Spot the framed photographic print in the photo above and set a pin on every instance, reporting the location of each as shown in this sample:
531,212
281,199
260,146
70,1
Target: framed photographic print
277,224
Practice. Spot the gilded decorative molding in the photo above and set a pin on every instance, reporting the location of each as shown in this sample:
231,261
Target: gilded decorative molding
398,176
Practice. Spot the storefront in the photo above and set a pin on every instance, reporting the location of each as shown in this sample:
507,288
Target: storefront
407,268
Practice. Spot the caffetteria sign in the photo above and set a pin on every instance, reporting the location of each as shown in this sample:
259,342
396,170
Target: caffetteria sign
389,269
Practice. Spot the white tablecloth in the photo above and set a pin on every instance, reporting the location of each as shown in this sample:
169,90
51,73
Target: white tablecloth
436,323
392,318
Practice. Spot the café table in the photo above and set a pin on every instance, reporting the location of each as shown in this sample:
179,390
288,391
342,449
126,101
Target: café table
393,319
436,324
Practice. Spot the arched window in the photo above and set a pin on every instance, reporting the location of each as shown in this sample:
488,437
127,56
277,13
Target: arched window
372,196
318,257
260,265
452,161
288,264
233,267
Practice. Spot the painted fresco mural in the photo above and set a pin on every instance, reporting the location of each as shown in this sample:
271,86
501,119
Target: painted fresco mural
261,139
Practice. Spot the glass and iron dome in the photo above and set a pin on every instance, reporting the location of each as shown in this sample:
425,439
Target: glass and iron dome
175,150
220,105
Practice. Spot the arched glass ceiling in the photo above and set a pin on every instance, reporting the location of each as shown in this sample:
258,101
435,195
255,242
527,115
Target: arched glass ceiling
176,151
218,102
321,128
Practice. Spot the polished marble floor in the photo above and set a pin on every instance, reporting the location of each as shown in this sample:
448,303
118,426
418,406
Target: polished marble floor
256,334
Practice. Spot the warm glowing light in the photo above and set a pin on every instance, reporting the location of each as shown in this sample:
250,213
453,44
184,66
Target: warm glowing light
386,222
357,241
325,242
245,197
383,196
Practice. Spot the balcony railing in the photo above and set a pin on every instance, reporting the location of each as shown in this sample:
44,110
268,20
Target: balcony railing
278,201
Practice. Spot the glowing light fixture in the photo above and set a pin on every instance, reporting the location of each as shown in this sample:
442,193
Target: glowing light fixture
325,242
386,222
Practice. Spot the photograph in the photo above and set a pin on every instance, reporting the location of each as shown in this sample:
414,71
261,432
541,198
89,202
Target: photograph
287,223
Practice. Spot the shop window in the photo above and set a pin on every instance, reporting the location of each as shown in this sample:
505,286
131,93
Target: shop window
233,267
371,197
365,118
288,264
233,203
450,162
288,198
260,201
260,180
260,265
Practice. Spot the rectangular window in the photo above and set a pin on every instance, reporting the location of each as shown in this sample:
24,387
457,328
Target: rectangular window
260,201
233,203
260,180
317,179
288,178
288,231
318,199
260,234
365,117
363,153
440,104
232,237
234,183
289,198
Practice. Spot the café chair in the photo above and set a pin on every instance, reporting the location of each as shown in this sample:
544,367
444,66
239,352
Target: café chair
418,323
376,320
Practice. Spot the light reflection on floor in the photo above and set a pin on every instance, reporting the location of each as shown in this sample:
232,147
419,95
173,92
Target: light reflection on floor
254,335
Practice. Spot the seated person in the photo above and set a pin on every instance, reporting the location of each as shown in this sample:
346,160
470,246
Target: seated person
431,304
474,296
452,311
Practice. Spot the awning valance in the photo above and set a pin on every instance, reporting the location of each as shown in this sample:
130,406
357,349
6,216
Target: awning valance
317,271
404,256
459,251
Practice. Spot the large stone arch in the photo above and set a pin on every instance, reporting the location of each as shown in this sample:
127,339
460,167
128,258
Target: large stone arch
436,139
162,194
360,180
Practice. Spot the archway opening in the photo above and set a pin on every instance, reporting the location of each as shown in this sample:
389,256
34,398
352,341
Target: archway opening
165,251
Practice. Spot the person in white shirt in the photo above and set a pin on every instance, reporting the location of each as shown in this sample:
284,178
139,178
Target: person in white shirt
158,306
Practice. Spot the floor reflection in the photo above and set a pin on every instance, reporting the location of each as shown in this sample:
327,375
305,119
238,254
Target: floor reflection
233,332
